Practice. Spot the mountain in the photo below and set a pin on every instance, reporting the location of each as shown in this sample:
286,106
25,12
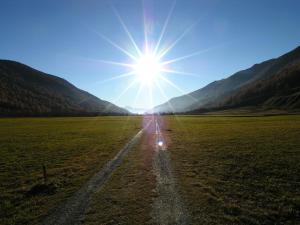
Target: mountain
29,92
280,91
215,94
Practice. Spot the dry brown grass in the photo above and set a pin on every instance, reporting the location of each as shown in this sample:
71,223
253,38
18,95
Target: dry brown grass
73,149
238,170
127,196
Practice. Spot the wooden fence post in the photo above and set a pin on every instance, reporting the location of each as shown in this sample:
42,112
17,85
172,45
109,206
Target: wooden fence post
45,174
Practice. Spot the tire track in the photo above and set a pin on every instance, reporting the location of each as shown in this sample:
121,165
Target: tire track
168,209
72,212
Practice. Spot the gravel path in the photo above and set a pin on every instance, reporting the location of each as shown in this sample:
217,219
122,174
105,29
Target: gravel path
72,212
167,208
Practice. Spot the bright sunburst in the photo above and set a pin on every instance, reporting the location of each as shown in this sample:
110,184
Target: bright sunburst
148,68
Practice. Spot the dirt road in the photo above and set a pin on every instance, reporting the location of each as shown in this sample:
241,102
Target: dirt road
73,210
167,208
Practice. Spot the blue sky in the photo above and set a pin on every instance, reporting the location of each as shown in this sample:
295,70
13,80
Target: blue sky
60,37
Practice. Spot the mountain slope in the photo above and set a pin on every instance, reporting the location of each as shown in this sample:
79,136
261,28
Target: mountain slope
29,92
217,91
279,91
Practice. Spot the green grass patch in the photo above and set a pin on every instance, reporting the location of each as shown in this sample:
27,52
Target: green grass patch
237,170
72,149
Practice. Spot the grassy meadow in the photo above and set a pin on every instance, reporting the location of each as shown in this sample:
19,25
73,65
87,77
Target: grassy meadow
237,170
228,169
72,149
128,196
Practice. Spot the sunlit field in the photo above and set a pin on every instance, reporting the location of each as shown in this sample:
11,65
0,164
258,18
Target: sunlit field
127,198
237,170
227,169
150,112
72,150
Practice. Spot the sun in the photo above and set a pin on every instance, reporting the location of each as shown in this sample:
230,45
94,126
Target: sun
146,65
147,68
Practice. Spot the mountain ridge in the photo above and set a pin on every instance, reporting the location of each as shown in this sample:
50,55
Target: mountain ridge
26,91
215,92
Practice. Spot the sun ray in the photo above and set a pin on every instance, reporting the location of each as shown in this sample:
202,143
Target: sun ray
171,106
176,87
125,90
111,62
145,27
138,94
150,96
164,95
147,65
163,52
172,84
126,30
180,72
104,61
131,73
116,45
122,93
187,56
165,27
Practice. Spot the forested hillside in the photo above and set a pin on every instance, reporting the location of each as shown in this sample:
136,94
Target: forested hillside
25,91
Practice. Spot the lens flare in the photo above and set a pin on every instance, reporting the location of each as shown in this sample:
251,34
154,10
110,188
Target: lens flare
148,65
160,143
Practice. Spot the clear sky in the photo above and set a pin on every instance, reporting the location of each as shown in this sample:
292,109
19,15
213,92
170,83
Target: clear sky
67,38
